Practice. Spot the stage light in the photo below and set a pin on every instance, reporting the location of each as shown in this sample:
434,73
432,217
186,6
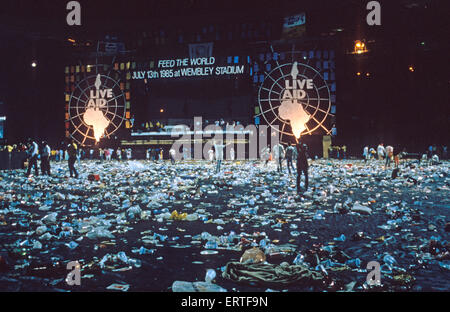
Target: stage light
411,68
360,47
367,74
71,40
33,64
161,110
358,74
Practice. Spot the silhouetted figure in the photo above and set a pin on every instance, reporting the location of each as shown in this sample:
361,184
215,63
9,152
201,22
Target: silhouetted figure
72,151
290,155
32,153
45,158
302,165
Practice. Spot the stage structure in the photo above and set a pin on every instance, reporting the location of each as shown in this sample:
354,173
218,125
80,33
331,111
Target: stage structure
295,93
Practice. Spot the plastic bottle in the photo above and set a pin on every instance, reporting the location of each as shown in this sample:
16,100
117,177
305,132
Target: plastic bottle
210,275
211,245
389,260
299,259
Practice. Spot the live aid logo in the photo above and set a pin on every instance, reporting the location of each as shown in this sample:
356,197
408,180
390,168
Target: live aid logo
98,97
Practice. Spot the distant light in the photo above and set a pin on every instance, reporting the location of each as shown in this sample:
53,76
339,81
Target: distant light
33,64
367,74
161,110
304,57
71,40
411,68
360,47
358,74
339,29
422,43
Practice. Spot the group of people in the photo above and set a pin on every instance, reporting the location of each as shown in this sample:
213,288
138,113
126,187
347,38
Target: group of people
338,152
42,152
294,152
154,154
383,153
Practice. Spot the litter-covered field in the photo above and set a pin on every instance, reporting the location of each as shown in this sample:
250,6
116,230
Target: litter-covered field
153,226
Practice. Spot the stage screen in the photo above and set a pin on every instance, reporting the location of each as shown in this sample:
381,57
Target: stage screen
210,87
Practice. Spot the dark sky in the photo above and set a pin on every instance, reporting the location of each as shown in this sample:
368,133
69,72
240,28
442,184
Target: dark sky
394,104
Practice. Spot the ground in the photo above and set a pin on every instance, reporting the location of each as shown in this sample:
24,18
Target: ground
47,222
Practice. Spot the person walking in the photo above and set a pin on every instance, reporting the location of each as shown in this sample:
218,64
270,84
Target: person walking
290,155
344,152
9,148
302,165
45,158
32,152
265,154
61,152
389,155
278,151
119,154
366,154
172,153
381,151
232,154
218,147
72,152
128,153
79,156
211,155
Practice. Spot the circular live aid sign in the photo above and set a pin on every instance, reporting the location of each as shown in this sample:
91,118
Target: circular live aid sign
96,108
295,100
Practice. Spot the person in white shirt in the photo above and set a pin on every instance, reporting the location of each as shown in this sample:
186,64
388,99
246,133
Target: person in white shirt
33,151
381,151
172,153
129,153
232,154
218,147
366,153
278,151
435,159
45,158
211,155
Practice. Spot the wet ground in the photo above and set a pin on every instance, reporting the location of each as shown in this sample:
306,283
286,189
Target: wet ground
128,211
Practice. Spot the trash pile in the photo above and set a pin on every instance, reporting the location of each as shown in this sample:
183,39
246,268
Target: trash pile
152,226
